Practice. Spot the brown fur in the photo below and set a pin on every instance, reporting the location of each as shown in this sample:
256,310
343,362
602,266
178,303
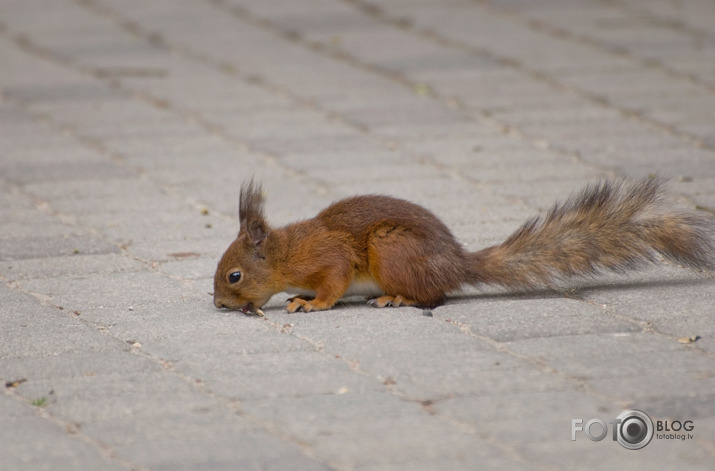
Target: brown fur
413,259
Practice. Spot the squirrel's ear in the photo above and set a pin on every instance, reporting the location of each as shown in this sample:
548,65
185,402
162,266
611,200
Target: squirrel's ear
250,212
256,232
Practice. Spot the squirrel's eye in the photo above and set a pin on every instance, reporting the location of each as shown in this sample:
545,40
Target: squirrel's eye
234,277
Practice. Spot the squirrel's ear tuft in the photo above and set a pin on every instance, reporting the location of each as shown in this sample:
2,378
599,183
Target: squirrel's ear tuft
250,212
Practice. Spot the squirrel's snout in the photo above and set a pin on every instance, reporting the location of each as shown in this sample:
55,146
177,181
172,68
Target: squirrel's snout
248,308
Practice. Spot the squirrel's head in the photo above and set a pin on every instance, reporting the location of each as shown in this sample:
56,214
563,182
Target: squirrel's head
243,278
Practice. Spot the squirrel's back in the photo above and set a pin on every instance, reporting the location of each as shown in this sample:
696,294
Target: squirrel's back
360,216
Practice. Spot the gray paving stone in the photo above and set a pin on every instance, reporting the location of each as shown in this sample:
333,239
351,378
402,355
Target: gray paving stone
12,297
679,367
37,246
111,290
387,421
191,269
389,357
506,320
127,226
28,223
258,376
29,442
65,172
43,371
56,267
164,330
201,439
33,330
212,246
114,397
676,309
606,454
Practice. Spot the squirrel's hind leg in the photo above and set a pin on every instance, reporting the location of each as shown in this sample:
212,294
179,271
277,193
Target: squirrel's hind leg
409,270
392,301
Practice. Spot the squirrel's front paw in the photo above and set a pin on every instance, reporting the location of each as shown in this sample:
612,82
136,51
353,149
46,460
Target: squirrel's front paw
308,305
299,304
300,296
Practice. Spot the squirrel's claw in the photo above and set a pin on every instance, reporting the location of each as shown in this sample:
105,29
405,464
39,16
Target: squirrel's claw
250,310
382,301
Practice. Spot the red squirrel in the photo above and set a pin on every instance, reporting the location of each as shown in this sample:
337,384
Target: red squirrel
400,254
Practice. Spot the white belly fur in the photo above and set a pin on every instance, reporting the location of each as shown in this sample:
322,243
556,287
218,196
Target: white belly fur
356,288
363,288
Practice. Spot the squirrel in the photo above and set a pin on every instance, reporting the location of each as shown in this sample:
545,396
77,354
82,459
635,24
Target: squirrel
400,254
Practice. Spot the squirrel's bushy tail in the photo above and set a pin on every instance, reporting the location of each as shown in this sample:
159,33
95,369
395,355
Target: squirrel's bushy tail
609,226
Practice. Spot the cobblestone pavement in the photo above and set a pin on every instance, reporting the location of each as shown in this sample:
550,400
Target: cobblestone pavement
126,127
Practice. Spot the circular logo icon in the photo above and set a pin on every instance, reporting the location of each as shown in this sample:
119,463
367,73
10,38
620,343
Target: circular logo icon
634,430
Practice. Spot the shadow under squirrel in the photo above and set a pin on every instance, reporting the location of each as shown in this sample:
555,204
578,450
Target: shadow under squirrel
402,254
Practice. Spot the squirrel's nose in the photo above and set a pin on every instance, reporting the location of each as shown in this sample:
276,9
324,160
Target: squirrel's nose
218,303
